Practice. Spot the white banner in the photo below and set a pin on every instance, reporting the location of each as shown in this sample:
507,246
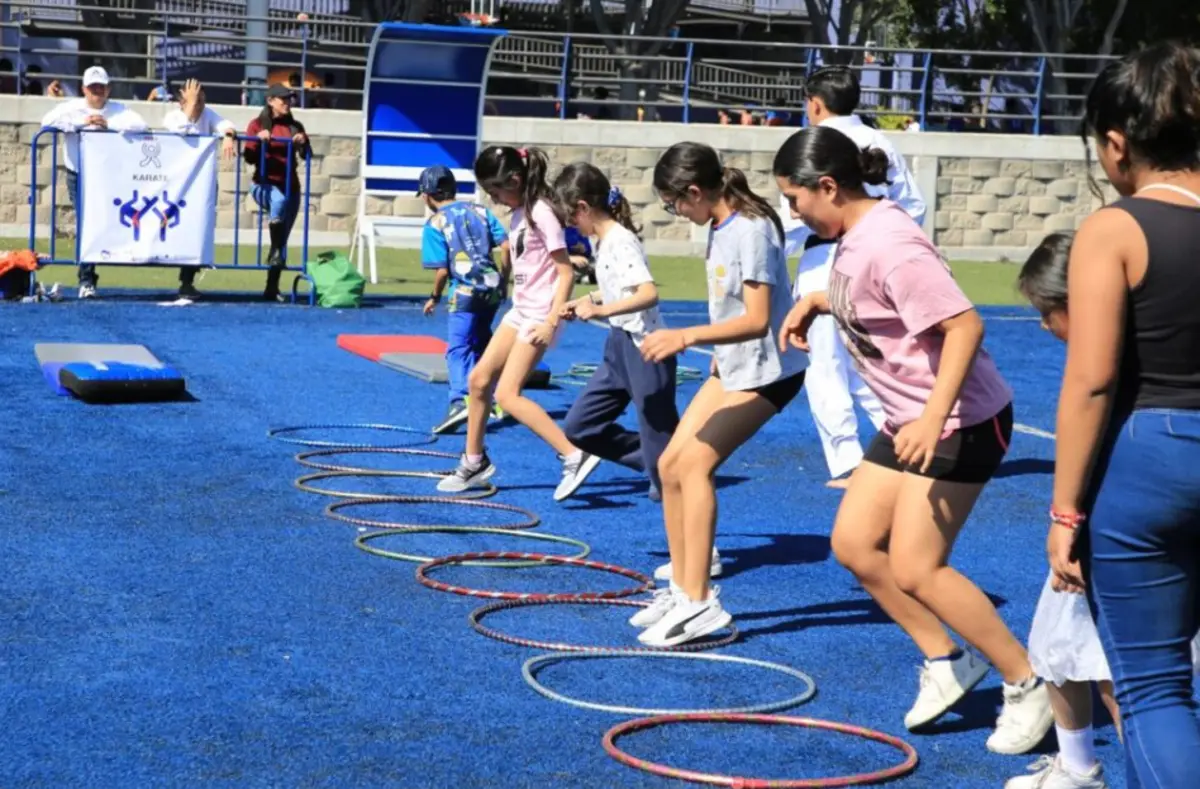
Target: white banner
147,198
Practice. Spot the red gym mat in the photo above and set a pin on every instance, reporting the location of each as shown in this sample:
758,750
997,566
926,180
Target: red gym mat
372,346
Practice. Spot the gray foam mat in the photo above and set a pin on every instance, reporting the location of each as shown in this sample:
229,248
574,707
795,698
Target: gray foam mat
429,367
67,352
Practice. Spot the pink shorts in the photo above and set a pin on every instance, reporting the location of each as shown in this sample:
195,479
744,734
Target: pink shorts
524,323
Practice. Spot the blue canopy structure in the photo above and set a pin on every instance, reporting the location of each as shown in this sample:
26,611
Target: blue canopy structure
423,103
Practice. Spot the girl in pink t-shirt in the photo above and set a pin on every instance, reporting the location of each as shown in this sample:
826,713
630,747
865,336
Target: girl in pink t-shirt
542,282
917,341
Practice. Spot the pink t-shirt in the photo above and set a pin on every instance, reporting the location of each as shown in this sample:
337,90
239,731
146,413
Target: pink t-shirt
535,276
889,287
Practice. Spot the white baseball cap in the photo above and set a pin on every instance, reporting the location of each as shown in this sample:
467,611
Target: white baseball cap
96,75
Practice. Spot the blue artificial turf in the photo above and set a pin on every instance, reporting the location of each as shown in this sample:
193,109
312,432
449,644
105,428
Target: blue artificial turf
176,613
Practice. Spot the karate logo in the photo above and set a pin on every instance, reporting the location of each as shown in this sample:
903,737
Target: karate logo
159,210
151,150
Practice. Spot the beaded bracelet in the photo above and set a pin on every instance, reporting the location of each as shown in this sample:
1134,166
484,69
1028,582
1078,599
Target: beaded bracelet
1068,520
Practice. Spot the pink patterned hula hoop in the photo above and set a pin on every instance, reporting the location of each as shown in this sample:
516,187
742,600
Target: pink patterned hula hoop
644,582
907,766
475,616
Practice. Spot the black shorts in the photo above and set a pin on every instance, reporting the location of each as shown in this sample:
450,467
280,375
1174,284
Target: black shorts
969,454
777,393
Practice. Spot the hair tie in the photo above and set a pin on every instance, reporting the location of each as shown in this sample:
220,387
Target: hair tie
523,153
614,197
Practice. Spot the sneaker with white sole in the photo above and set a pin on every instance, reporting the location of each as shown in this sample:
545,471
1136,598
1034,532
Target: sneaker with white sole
87,291
455,415
664,573
1025,719
687,620
662,601
943,683
574,474
468,475
1048,773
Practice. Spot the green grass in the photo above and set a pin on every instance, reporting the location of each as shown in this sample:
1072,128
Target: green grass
400,273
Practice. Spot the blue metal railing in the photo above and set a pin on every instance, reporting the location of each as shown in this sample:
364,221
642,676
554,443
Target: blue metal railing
238,197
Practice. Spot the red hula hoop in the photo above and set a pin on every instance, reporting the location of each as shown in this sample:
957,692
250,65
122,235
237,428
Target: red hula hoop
645,583
479,613
878,776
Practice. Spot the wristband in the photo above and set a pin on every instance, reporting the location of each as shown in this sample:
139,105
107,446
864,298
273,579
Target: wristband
435,297
1068,520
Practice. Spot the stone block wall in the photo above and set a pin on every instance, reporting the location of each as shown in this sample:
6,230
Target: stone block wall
990,197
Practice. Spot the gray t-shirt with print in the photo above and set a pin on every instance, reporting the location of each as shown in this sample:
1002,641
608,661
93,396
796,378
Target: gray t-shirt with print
748,249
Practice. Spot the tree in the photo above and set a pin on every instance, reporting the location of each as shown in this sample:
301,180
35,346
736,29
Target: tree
649,18
847,23
391,10
101,19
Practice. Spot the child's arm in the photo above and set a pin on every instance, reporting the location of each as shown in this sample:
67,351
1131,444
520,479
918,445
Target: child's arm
500,241
644,297
435,254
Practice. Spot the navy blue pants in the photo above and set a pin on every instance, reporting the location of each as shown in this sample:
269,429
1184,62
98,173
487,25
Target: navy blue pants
469,330
87,271
624,377
1144,588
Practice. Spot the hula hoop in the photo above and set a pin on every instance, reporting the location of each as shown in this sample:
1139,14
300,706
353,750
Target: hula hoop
278,434
475,616
858,779
303,458
362,540
334,511
531,666
302,484
645,583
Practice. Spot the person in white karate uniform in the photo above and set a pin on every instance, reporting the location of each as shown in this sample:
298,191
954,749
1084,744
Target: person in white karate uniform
833,385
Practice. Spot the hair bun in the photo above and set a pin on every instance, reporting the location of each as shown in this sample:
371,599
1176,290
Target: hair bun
874,165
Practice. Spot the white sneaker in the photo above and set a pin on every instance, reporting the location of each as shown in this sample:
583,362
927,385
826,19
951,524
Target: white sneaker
1049,773
467,475
663,572
575,474
686,621
943,683
87,291
1025,719
662,601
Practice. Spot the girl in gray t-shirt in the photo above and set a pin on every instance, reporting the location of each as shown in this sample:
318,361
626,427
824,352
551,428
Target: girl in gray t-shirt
748,298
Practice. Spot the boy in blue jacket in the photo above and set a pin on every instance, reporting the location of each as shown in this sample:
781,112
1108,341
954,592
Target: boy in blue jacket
459,241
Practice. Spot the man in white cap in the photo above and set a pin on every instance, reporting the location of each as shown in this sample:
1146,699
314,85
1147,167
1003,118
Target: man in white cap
93,111
193,116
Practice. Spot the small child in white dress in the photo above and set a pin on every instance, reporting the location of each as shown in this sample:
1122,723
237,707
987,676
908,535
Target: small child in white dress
1064,646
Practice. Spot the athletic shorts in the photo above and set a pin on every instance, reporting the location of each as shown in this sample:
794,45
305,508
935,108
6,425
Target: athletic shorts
777,393
524,323
969,454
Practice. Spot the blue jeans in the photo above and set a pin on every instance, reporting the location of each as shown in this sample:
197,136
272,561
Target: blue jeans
281,208
468,333
87,272
1144,588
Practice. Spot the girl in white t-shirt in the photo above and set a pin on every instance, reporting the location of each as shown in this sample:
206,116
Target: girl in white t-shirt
628,298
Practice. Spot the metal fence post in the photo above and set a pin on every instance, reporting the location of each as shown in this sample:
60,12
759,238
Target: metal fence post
303,62
1041,93
687,82
810,65
926,87
564,79
20,56
163,50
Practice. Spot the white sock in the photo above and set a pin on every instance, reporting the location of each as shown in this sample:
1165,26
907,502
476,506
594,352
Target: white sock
474,460
1076,749
574,457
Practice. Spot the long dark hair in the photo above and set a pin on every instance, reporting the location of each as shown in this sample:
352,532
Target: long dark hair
821,152
1153,98
688,164
583,182
525,169
1043,278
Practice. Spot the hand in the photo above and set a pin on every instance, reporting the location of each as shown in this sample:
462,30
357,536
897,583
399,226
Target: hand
97,121
795,327
567,313
55,89
663,344
429,307
917,441
1066,573
228,148
190,94
299,138
586,309
264,135
542,334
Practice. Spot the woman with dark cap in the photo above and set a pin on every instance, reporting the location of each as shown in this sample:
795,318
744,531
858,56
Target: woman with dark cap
276,174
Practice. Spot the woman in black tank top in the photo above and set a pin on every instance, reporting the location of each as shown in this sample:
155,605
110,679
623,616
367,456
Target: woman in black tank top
1127,470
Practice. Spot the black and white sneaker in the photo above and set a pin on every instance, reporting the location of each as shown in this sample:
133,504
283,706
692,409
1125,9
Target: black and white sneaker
455,415
687,620
575,473
468,475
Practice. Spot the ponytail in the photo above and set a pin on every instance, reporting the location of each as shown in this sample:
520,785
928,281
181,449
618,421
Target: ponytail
534,186
585,183
621,211
741,198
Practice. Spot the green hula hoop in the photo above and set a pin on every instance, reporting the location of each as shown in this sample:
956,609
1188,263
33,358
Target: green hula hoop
362,540
302,484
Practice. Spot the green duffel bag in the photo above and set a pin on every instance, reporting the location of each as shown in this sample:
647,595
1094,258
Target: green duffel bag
336,280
